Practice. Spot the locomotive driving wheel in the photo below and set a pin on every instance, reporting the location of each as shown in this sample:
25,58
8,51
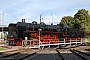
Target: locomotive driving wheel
18,43
13,43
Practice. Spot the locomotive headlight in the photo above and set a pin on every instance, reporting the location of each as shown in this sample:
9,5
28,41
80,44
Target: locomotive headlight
66,29
39,29
11,36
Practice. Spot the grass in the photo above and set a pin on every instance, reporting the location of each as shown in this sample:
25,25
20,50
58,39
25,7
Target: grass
1,48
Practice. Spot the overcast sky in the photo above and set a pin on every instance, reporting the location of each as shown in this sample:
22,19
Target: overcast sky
15,10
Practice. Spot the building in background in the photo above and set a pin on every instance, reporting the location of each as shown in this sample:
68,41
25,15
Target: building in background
3,31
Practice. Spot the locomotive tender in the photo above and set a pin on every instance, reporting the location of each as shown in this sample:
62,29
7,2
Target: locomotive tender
49,34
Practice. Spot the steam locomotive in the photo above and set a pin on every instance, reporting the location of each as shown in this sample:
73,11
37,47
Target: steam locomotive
47,34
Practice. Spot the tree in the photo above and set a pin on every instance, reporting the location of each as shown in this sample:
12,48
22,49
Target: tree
67,21
82,21
80,17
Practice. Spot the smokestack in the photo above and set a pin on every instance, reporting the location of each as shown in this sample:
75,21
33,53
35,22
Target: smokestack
23,20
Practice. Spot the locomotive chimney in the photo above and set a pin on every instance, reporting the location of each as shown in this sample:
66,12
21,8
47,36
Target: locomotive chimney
23,20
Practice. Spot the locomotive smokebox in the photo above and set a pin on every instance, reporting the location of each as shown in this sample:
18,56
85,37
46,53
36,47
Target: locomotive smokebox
23,20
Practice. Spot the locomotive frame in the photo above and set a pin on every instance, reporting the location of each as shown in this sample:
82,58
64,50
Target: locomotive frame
42,33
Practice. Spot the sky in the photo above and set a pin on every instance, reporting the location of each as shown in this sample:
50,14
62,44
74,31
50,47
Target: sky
12,11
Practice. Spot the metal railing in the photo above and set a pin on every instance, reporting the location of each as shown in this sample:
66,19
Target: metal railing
37,43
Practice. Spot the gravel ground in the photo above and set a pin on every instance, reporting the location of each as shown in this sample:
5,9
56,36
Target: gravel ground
81,47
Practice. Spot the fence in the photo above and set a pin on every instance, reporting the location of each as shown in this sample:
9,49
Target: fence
37,44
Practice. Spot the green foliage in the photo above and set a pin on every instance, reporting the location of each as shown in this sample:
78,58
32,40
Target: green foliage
80,17
80,20
67,21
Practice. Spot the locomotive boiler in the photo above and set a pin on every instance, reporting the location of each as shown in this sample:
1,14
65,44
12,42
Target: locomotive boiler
46,34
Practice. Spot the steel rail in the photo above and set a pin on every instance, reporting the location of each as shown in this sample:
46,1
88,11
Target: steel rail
78,55
62,58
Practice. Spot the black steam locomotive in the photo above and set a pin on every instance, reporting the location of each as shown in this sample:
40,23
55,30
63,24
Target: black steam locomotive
33,31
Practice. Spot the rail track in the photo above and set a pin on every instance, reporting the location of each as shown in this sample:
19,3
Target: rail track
17,54
66,54
87,49
46,54
62,58
80,54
